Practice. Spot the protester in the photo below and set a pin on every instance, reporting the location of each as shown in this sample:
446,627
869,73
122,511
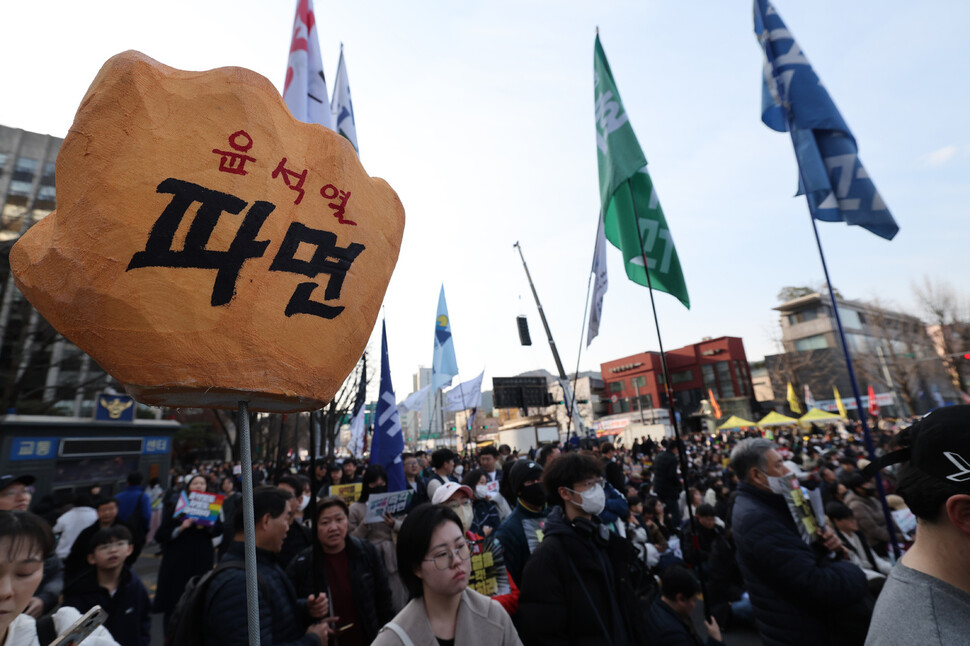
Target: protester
846,527
867,509
298,538
614,472
578,586
667,484
186,552
382,533
800,595
155,497
135,511
231,503
926,598
488,462
486,512
283,619
443,465
413,481
350,570
669,620
350,472
112,586
71,523
26,542
707,533
435,563
525,482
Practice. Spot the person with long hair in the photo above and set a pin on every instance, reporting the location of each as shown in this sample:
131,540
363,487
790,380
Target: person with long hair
186,551
25,541
435,564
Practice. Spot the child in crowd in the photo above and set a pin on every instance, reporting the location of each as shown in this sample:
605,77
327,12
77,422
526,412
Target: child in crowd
112,586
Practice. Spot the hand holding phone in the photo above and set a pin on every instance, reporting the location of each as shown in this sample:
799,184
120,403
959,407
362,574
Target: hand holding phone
82,628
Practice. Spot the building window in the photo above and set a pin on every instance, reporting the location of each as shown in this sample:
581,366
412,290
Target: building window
707,372
850,318
639,381
623,405
645,402
46,193
804,315
682,377
724,378
616,386
816,342
19,187
742,379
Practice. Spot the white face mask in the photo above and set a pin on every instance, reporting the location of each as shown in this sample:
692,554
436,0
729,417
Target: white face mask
594,499
780,484
459,469
466,514
304,501
481,491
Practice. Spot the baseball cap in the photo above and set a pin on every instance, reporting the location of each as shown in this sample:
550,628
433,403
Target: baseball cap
9,479
937,445
522,471
449,489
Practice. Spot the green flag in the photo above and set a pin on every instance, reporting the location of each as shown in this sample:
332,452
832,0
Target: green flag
632,213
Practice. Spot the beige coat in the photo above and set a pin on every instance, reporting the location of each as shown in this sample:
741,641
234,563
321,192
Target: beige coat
480,621
383,538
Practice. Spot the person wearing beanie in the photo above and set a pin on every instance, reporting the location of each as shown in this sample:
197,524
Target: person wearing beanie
518,533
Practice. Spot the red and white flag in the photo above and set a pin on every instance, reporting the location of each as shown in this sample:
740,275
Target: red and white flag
305,89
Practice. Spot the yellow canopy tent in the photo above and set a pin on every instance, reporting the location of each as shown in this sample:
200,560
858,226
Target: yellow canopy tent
734,422
776,419
816,415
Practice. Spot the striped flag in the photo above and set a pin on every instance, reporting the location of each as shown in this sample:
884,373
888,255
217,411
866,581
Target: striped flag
305,88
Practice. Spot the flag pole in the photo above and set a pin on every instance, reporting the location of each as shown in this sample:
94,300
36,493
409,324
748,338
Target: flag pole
682,450
316,552
870,449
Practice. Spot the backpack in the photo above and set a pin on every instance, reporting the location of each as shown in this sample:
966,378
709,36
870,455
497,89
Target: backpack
185,626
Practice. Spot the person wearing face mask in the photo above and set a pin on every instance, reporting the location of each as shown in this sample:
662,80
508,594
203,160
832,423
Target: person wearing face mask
298,537
524,523
801,593
487,515
458,498
862,500
578,587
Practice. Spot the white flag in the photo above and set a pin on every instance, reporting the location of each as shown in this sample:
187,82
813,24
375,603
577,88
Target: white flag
599,287
356,443
465,395
305,89
809,400
416,399
567,395
342,106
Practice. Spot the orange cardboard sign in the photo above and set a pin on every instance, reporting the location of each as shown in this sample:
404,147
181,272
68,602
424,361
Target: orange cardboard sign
208,248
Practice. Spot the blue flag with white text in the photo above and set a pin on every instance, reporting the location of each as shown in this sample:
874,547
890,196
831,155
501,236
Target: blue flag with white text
832,177
444,366
388,442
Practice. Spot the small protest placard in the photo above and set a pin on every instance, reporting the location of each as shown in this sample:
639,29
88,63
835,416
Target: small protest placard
492,487
203,507
349,492
533,532
378,504
489,576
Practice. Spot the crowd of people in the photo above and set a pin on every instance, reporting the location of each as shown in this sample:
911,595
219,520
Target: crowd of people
582,543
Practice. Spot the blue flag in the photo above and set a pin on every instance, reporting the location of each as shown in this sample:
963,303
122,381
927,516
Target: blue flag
444,366
388,442
832,178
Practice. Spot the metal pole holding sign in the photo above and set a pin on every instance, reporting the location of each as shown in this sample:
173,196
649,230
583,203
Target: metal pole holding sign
249,523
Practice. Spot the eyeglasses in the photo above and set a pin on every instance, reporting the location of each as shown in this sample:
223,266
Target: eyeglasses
107,547
442,560
13,492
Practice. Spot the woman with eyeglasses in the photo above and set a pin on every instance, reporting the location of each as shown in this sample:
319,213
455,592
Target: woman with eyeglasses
435,562
25,541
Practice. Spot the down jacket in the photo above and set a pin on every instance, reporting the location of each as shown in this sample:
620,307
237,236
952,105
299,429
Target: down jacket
799,595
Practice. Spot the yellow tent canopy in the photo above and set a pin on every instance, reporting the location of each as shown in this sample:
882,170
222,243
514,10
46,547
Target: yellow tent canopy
816,415
733,422
776,419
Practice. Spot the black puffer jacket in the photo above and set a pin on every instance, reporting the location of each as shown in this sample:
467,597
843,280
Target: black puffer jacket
666,482
282,619
368,583
553,607
799,595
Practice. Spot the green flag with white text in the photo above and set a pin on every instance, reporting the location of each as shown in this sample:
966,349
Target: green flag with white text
633,219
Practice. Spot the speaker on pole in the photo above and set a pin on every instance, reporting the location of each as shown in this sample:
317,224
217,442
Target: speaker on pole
523,324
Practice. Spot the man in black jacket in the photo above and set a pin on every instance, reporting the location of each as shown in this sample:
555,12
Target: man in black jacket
801,593
669,620
579,586
283,619
666,483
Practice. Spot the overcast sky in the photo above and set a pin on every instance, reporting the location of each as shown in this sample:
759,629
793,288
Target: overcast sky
480,116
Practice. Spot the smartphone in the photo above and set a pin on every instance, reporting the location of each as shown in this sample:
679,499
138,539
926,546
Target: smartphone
82,628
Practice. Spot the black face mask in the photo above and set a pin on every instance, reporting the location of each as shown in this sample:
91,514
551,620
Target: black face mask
533,494
381,489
